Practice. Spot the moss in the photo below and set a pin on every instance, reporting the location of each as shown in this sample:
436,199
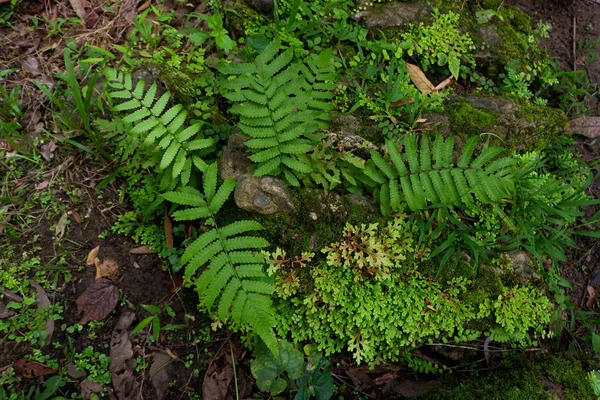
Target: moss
539,378
549,122
179,83
467,121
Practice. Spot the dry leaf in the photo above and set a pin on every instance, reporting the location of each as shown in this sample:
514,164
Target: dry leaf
98,300
92,256
31,66
587,126
47,150
446,82
176,283
5,312
85,12
32,369
61,226
418,78
593,296
88,387
42,301
122,360
159,374
107,269
168,232
142,250
428,304
42,185
76,216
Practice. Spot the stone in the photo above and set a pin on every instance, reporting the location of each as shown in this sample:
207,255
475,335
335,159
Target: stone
263,195
234,161
264,6
360,201
438,122
521,263
396,14
492,104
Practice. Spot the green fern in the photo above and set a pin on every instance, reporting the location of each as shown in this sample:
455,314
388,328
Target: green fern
425,175
232,263
165,127
281,104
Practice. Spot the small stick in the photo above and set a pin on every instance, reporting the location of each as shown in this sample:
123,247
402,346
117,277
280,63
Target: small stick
574,42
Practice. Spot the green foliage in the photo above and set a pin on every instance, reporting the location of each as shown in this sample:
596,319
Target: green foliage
281,104
234,273
276,374
177,143
369,297
442,44
432,178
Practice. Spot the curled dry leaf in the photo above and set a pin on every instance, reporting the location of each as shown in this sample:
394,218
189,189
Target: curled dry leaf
32,369
107,269
122,360
47,150
61,225
418,78
75,215
92,256
142,250
98,300
593,296
587,126
42,301
42,185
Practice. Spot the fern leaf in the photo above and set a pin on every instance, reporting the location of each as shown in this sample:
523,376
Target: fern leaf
486,155
216,286
245,242
191,214
169,155
467,152
189,197
227,298
412,155
222,195
382,165
250,271
209,181
239,227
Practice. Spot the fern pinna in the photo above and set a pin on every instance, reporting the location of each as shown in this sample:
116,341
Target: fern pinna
232,263
431,178
176,143
281,104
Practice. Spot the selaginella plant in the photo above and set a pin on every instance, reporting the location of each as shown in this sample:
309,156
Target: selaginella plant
369,297
281,104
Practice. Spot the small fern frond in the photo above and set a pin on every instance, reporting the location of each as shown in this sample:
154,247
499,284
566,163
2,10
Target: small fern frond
162,127
432,178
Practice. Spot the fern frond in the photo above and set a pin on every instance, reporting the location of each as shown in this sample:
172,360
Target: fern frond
432,178
281,103
166,129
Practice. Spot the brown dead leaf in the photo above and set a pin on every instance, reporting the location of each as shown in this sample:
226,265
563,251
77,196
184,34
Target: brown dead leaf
88,387
47,150
92,256
176,283
418,78
32,369
107,269
42,301
85,11
587,126
31,66
159,374
446,82
219,373
98,300
61,225
122,360
168,232
75,215
5,312
142,250
428,304
42,185
593,296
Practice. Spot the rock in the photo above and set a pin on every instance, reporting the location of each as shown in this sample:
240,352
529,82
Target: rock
360,201
234,161
396,14
263,195
264,6
438,122
149,74
492,104
521,266
343,135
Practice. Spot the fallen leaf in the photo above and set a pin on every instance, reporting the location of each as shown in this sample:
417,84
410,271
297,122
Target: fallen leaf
122,360
4,312
428,304
417,76
76,216
31,66
446,82
159,374
47,150
85,12
32,369
593,296
42,301
219,373
142,250
176,283
587,126
168,232
98,300
88,387
92,256
61,225
107,269
42,185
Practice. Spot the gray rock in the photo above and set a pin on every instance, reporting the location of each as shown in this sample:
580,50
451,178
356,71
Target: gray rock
522,266
492,104
264,6
361,201
397,14
263,195
149,74
234,161
438,122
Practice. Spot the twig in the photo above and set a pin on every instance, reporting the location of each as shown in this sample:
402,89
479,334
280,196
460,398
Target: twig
574,42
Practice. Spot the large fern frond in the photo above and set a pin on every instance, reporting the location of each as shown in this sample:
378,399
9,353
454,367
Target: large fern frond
225,263
281,104
423,175
161,126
